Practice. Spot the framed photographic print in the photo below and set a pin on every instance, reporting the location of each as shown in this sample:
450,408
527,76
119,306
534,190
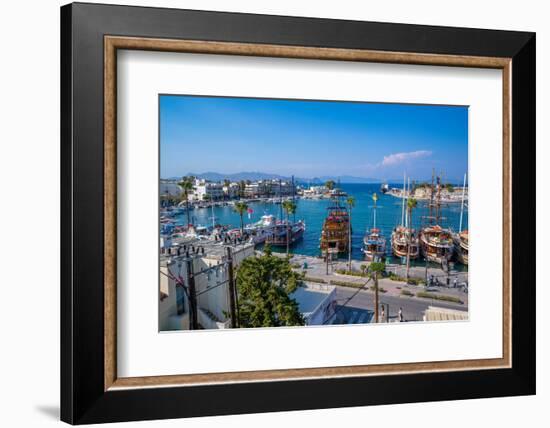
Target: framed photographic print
292,213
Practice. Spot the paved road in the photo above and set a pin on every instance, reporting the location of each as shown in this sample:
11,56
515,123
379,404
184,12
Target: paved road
413,309
351,315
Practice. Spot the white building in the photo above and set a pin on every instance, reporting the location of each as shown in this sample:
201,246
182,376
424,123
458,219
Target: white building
315,191
207,190
231,191
206,260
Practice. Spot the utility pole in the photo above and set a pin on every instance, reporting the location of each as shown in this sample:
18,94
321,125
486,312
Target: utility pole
231,289
326,257
193,318
376,299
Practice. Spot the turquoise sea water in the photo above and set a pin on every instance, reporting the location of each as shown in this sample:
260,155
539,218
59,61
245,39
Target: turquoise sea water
313,212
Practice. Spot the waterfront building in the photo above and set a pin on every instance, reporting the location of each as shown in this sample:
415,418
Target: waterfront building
282,188
314,191
255,189
231,191
266,188
207,190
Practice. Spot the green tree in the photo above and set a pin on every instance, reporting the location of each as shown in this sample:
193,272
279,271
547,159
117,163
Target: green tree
329,184
351,203
290,208
375,270
264,285
411,205
186,188
241,208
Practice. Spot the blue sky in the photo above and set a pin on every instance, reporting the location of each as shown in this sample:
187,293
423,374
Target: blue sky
311,138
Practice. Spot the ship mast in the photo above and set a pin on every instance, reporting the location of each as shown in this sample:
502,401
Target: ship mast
374,198
407,225
431,198
403,202
438,200
213,217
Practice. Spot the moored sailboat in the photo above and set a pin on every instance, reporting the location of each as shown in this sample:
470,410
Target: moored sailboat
436,242
400,242
374,243
461,246
404,239
461,238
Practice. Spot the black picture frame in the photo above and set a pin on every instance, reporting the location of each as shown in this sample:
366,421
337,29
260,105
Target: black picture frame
83,398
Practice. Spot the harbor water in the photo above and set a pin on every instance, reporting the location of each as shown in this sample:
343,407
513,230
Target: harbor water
313,213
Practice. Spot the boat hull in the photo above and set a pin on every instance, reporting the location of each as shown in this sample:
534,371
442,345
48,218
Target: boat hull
372,256
436,253
461,250
400,246
436,244
398,251
374,246
279,238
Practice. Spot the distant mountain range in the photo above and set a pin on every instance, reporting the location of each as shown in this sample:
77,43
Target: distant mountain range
254,176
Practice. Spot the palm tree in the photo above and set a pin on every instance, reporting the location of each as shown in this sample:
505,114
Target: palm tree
329,184
227,188
242,186
411,204
290,208
241,208
186,187
351,203
376,268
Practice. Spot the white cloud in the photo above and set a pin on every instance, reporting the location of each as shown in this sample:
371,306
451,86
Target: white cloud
397,158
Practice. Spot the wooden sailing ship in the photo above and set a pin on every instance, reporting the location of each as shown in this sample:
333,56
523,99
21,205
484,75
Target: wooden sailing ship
336,228
374,243
436,242
400,238
461,238
404,239
461,246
